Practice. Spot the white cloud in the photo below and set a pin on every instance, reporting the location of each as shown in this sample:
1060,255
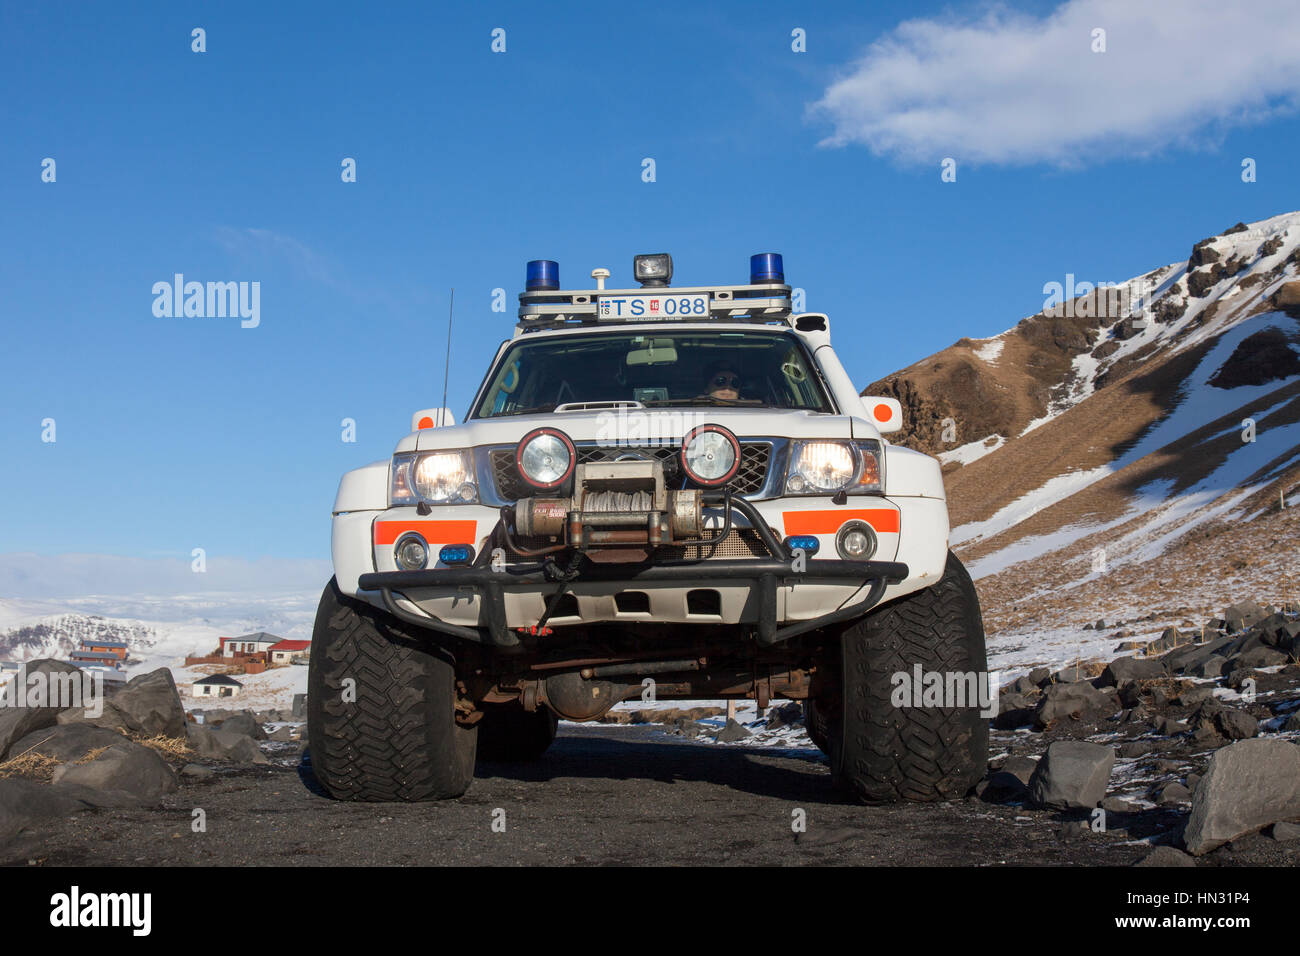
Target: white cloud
262,245
1013,89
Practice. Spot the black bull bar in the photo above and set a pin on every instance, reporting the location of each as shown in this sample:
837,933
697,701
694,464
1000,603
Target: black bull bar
762,574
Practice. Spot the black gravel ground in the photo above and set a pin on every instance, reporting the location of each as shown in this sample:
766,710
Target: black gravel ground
603,794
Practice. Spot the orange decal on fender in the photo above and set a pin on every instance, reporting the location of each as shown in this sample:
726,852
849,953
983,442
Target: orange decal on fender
883,520
434,532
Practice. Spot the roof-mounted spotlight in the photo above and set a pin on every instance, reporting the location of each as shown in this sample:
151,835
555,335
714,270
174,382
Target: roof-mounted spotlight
543,276
653,272
766,267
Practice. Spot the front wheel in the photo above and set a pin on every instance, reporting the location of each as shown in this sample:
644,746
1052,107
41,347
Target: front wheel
381,709
888,743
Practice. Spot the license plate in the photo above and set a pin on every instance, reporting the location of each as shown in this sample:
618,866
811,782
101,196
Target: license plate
653,307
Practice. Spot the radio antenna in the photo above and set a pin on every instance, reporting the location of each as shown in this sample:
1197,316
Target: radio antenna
446,373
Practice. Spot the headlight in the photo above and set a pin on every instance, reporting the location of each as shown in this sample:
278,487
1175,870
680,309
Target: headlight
545,457
826,467
439,477
710,455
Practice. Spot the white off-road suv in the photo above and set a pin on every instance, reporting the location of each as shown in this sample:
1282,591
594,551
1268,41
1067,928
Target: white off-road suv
657,493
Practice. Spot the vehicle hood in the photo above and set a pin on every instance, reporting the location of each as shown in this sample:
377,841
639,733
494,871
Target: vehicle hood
641,426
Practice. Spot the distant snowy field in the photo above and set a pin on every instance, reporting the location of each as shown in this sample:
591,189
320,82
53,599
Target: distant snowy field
184,625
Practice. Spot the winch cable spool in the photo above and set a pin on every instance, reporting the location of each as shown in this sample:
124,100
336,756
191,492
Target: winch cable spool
608,502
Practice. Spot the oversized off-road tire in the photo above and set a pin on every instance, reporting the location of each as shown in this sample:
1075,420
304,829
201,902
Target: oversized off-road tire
882,753
509,734
392,733
814,721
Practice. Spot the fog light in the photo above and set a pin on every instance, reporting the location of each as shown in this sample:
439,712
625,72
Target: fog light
808,543
856,541
411,552
456,554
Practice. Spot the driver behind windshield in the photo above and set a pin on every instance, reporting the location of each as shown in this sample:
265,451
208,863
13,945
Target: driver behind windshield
723,383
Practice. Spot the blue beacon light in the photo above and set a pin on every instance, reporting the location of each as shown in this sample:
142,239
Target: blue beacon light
766,267
543,275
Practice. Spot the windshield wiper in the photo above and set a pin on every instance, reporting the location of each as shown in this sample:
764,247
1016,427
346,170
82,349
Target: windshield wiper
710,400
536,410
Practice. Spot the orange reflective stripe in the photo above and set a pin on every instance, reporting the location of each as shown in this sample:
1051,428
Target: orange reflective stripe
883,520
434,532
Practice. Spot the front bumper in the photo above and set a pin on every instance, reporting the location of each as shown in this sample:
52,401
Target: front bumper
761,576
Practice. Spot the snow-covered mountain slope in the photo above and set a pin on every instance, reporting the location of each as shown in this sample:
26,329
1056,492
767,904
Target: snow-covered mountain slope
1082,441
158,630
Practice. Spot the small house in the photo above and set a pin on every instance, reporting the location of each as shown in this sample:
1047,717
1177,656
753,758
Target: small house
108,672
116,648
247,644
283,652
104,659
216,685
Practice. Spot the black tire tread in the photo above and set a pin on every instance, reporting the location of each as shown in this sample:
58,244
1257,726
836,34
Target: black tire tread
399,740
885,753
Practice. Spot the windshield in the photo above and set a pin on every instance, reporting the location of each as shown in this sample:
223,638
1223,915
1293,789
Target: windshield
735,368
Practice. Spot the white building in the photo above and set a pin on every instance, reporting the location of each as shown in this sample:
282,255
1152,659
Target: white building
216,685
247,644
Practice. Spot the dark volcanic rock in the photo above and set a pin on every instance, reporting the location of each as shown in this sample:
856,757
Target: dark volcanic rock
41,680
127,766
1203,254
1247,786
245,723
1072,775
1287,298
1236,724
149,705
1265,356
1132,669
1077,700
224,745
1166,856
22,802
1243,615
67,742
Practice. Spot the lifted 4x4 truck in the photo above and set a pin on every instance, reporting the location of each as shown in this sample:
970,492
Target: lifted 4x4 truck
657,493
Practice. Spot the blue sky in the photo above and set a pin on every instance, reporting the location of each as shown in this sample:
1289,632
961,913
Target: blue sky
176,433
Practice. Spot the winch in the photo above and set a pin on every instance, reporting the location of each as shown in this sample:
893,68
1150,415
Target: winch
615,504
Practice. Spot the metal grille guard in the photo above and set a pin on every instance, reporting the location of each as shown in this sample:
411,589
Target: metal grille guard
762,573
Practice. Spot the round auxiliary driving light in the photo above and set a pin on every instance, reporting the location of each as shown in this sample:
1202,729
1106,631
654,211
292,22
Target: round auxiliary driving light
545,457
710,455
411,552
856,541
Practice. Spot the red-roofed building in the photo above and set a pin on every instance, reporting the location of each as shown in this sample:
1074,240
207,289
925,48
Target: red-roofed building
246,644
283,652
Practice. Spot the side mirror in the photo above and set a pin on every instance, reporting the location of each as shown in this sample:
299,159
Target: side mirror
885,413
432,418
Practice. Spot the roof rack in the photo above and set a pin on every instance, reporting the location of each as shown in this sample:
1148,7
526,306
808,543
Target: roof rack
557,308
